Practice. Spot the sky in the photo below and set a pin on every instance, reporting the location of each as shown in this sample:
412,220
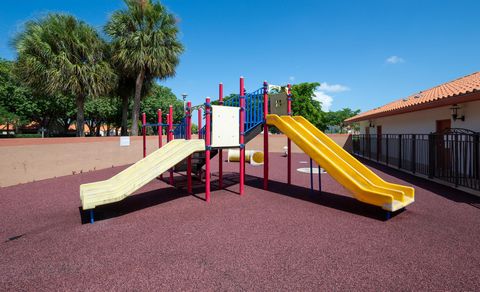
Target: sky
363,53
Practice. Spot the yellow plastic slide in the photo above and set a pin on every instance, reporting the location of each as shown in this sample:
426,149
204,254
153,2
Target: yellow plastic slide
139,174
365,185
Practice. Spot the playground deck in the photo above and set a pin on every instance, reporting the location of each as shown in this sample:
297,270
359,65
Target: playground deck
282,239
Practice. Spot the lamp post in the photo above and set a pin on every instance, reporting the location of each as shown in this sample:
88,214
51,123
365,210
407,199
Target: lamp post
184,96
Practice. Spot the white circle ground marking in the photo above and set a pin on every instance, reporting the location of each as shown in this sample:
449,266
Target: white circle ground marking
307,170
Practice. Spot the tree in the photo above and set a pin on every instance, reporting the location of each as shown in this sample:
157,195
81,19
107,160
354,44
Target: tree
144,41
162,97
304,105
337,118
59,54
99,111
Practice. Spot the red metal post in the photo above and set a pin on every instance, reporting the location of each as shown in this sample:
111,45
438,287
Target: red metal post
159,127
289,142
188,115
220,151
170,125
265,135
242,135
160,131
207,149
199,122
144,134
170,135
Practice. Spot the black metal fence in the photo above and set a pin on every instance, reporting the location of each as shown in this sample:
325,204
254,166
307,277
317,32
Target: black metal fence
451,156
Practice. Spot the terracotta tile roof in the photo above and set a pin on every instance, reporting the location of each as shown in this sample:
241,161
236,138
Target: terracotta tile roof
448,93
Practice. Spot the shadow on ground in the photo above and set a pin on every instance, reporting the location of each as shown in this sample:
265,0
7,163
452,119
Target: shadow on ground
152,198
160,196
326,199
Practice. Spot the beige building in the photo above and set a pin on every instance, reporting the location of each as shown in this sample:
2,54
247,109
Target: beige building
433,133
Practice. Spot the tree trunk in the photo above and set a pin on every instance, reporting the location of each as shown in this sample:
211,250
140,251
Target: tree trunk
99,128
136,102
125,114
80,116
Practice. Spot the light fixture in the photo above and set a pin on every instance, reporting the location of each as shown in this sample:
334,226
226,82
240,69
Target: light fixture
371,125
184,95
455,116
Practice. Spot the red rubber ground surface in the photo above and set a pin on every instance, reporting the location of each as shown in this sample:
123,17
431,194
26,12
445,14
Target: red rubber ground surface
284,239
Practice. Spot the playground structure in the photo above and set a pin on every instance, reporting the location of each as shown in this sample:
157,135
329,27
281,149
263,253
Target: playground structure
250,113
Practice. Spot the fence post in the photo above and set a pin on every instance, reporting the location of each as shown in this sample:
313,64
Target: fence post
386,149
400,151
207,149
265,135
188,134
431,155
455,159
413,158
476,158
363,145
144,134
220,150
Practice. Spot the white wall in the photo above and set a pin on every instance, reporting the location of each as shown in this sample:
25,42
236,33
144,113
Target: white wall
424,121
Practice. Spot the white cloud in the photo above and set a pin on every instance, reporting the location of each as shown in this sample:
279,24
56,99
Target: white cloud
325,99
395,60
324,86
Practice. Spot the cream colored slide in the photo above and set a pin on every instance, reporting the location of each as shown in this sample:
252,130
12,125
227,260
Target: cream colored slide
139,174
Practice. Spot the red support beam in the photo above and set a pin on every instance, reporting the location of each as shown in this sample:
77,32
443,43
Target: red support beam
159,127
207,149
170,135
220,151
265,135
160,131
144,134
188,114
242,135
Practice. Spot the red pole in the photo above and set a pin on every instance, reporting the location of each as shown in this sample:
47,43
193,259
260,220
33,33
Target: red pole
242,135
289,142
170,134
207,151
265,135
188,114
159,127
160,131
144,133
220,151
170,125
199,123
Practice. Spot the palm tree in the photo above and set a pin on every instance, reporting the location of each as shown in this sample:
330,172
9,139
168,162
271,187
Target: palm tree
60,54
144,40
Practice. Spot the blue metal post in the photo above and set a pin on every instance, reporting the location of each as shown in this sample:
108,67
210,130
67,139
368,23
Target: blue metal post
92,218
319,178
311,175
